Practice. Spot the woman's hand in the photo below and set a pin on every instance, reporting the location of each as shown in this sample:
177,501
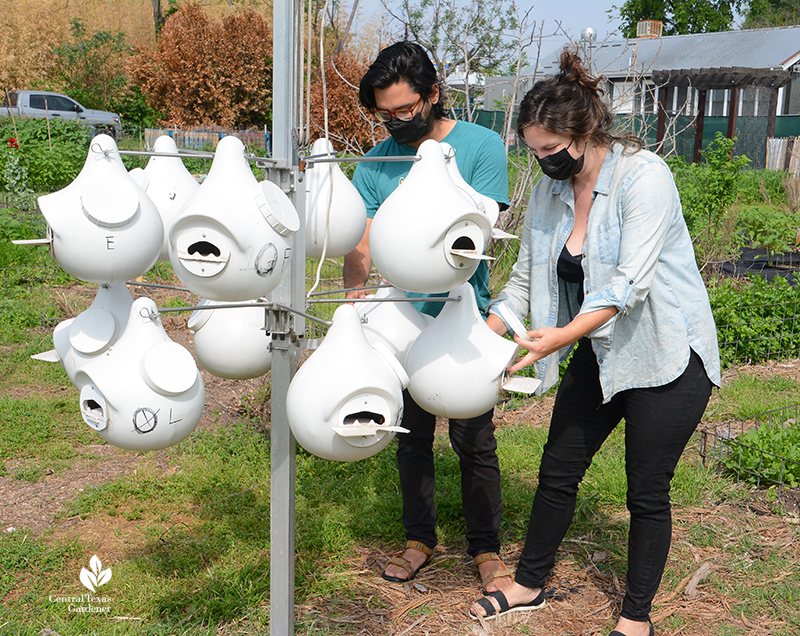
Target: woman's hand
543,342
548,340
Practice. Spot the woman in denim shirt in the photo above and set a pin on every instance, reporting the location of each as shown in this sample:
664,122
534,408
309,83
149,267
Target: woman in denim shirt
606,261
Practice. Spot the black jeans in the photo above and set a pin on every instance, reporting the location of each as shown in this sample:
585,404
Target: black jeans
474,442
658,423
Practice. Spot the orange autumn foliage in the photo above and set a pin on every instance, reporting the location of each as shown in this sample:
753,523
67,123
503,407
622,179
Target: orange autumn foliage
351,129
207,72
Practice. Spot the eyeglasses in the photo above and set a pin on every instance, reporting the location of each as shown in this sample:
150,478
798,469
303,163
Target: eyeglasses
403,114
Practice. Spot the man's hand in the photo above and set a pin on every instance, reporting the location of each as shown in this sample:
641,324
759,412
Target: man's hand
357,265
356,294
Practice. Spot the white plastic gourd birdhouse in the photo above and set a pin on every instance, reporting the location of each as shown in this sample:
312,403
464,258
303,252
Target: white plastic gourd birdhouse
456,365
394,323
104,228
231,342
168,184
346,401
485,204
230,241
81,339
335,212
428,236
145,392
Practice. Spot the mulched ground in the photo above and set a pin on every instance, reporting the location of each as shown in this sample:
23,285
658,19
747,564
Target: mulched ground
581,600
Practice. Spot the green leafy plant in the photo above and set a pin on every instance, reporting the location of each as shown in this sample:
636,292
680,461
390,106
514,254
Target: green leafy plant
768,228
52,155
92,66
761,186
92,70
15,176
707,192
756,318
135,112
768,455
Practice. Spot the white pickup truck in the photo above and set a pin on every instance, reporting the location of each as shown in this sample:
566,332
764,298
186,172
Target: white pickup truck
57,106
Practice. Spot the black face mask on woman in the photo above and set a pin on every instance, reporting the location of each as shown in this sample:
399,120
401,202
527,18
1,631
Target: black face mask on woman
408,132
561,165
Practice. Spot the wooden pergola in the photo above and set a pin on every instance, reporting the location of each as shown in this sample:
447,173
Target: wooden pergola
705,79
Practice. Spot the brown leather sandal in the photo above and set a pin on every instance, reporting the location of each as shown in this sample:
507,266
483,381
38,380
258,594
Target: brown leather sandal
406,564
499,574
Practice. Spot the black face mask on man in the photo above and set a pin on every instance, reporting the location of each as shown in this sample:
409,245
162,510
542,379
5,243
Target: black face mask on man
408,132
561,165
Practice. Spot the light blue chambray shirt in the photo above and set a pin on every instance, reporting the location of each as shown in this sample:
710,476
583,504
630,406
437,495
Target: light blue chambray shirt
637,257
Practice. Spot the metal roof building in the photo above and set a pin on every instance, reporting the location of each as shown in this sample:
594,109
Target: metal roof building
632,65
756,60
749,77
755,48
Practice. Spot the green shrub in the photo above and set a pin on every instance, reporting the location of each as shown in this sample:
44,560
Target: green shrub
15,176
761,186
707,192
708,189
52,155
768,455
756,319
135,112
768,228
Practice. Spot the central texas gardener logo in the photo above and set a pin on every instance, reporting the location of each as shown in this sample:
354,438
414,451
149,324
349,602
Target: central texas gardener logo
97,577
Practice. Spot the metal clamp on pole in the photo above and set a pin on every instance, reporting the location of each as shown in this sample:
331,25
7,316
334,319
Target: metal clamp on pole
286,179
279,323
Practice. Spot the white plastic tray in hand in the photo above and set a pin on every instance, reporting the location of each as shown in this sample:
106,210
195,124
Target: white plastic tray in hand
512,320
521,384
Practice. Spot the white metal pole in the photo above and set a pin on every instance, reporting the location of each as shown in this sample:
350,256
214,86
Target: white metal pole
284,327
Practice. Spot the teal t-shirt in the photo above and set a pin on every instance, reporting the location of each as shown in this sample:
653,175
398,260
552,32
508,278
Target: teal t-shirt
481,159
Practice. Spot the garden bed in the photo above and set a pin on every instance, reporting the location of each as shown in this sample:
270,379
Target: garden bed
763,450
756,261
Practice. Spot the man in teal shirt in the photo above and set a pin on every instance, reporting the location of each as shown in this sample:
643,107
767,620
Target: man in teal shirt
401,89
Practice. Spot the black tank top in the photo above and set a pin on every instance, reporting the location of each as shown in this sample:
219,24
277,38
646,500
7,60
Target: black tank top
569,269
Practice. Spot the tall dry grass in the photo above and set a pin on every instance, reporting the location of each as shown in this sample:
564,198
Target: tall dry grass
31,29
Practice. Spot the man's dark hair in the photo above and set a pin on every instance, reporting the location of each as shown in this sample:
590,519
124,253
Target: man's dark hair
402,62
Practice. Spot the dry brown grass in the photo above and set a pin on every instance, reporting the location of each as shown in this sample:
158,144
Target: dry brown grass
31,29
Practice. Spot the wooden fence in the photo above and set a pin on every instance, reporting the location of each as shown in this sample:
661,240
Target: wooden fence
784,154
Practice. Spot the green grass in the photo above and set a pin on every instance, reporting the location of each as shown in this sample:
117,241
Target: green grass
746,395
44,435
202,531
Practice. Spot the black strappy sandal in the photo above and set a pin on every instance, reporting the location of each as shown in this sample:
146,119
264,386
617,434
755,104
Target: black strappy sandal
505,608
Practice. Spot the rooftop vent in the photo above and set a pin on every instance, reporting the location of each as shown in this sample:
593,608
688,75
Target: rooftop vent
648,28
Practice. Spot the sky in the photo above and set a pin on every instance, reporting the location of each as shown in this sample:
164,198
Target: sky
574,16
